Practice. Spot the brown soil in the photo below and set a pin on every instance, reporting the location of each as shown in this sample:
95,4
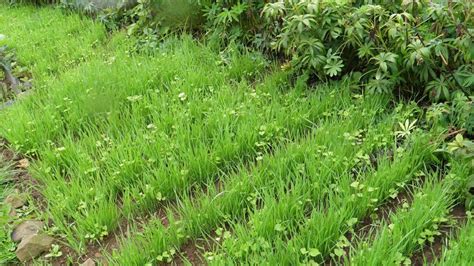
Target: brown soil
98,250
383,212
191,253
22,180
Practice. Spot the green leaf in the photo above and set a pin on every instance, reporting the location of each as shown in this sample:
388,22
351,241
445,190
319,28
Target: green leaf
279,228
314,252
339,252
303,251
352,222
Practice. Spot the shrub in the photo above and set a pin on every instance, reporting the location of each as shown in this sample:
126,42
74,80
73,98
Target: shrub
235,21
415,47
150,20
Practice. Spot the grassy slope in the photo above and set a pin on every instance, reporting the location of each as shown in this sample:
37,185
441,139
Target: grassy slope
118,135
109,133
187,105
48,42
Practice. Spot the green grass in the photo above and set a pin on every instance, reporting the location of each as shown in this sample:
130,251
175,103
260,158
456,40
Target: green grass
409,228
225,143
412,227
175,122
348,202
460,251
48,42
212,209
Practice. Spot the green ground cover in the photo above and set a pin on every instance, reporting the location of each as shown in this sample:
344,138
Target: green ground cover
47,42
225,145
460,252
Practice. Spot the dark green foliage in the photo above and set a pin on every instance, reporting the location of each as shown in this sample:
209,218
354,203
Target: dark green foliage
150,20
236,21
416,48
457,114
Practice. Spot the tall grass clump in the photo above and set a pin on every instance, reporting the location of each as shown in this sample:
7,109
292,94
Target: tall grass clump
46,41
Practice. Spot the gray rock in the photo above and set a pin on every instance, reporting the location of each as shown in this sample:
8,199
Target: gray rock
88,262
97,5
25,229
12,213
6,104
15,200
32,246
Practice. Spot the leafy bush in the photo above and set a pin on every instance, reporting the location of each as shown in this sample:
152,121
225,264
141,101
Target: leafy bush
230,21
415,46
150,20
457,114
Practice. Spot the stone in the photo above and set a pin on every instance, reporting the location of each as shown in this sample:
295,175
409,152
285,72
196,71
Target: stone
97,5
6,104
15,200
25,229
88,262
12,213
32,246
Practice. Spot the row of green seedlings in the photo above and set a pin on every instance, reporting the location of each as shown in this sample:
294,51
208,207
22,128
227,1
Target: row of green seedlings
289,201
67,120
400,196
281,211
460,251
335,142
292,202
151,143
321,234
413,225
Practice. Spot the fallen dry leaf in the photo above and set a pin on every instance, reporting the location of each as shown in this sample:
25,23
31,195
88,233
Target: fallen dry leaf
23,163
